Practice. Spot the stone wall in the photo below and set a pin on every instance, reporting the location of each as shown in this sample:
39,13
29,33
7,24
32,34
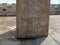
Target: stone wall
32,18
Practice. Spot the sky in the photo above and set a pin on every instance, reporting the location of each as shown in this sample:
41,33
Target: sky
55,1
7,1
14,1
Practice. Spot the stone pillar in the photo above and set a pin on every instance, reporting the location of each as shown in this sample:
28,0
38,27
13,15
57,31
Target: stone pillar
32,18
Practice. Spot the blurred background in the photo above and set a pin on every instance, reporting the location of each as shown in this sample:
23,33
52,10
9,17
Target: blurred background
8,7
8,23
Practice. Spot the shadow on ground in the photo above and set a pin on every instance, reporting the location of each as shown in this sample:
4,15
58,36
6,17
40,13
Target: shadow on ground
8,38
9,34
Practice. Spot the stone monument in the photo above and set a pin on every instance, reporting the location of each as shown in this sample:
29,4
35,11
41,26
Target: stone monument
32,18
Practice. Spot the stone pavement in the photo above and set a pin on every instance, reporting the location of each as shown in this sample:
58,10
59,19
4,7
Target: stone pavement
8,31
38,41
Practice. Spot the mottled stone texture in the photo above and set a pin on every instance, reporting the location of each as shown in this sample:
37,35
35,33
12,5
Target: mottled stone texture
32,18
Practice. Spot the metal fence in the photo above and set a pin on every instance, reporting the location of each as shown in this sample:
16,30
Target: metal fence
7,13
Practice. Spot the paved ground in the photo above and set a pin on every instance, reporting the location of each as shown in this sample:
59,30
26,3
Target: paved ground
54,24
8,28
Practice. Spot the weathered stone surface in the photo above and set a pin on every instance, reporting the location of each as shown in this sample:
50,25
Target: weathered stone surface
32,18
